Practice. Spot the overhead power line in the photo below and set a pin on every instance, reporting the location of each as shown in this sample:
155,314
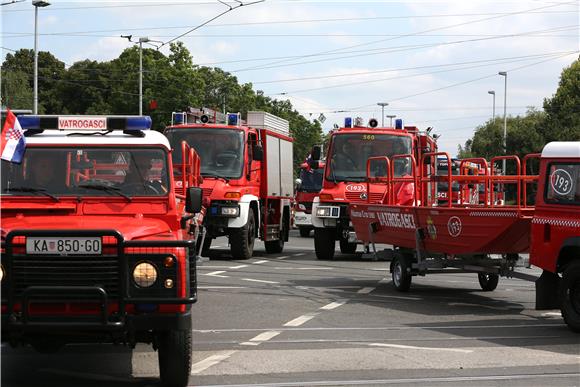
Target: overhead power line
471,22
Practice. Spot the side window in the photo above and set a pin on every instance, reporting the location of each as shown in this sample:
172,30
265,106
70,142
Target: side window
563,183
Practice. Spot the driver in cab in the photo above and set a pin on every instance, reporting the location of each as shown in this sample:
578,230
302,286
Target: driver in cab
139,178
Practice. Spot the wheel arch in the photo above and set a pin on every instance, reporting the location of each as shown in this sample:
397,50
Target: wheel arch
569,252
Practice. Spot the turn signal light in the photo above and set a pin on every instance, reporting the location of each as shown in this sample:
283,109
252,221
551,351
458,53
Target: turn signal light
168,262
326,196
232,195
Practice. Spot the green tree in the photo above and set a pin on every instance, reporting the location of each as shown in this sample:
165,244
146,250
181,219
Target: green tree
16,92
563,109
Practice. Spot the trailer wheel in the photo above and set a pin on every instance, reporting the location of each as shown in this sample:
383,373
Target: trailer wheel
570,296
304,232
346,247
324,243
174,354
206,246
242,239
401,272
487,281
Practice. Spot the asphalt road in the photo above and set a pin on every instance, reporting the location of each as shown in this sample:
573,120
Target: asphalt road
290,320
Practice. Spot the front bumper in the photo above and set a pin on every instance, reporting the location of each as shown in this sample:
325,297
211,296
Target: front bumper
58,294
302,219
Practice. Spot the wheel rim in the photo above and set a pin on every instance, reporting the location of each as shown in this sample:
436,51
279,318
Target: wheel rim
397,274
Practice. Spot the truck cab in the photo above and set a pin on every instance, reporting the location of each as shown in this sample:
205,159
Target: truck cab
555,244
308,185
247,175
345,176
97,246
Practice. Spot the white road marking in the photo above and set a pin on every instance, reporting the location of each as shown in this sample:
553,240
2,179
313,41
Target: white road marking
202,267
550,314
282,257
300,320
217,274
238,267
385,280
301,268
222,287
299,254
210,361
259,262
262,337
333,305
261,281
366,290
399,346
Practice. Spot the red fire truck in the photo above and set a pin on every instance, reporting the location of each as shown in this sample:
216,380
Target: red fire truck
345,176
555,239
96,245
247,175
308,186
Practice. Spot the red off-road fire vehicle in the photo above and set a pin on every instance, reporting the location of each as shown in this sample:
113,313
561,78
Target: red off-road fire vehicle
555,239
247,175
96,244
345,176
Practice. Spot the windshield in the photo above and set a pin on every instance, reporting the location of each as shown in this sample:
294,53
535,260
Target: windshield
311,180
221,150
85,171
349,153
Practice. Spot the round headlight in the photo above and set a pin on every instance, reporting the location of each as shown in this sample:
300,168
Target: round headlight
144,274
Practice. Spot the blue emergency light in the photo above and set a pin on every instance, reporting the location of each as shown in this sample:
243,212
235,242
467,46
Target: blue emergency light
233,119
134,125
399,123
348,122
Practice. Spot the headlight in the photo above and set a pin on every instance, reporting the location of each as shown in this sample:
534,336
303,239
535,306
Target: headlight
323,211
144,274
230,211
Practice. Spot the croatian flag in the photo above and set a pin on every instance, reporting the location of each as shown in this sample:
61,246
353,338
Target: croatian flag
13,143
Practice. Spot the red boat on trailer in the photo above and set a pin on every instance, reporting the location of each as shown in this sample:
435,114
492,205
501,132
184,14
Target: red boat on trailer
461,235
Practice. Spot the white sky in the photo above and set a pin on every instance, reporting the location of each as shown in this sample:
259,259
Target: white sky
432,61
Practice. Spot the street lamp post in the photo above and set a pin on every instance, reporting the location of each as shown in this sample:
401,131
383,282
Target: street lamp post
141,41
382,105
504,74
391,116
37,4
492,92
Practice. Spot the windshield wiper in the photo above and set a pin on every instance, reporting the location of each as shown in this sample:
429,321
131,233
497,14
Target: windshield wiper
32,190
105,188
207,174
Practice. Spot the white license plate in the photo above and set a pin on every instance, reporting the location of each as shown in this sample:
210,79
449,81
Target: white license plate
63,246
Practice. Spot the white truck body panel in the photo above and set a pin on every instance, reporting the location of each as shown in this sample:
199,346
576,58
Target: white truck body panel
263,120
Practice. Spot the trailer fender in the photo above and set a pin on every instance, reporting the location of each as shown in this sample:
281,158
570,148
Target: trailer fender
316,221
246,203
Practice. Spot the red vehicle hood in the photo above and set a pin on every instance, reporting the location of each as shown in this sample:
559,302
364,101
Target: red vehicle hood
350,192
129,227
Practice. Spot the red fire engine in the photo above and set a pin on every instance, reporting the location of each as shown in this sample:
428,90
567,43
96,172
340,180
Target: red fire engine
555,246
247,175
308,186
96,244
345,176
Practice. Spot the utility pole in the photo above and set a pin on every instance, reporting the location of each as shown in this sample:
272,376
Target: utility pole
141,41
504,74
492,92
382,105
37,4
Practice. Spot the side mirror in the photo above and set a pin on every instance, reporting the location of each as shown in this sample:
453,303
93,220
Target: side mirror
316,152
258,153
193,200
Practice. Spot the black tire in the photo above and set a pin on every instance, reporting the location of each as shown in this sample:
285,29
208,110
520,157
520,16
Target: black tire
346,247
570,296
324,243
206,246
174,352
401,273
304,232
242,239
488,281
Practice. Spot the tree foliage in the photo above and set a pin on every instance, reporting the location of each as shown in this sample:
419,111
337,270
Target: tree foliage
174,82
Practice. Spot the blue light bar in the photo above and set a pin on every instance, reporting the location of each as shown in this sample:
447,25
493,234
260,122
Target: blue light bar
233,119
177,118
399,123
137,123
38,123
29,122
348,122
